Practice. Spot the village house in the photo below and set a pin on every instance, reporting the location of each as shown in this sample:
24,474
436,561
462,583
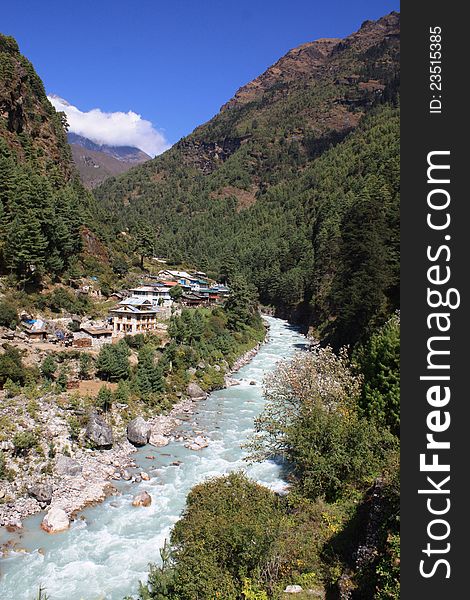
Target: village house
97,336
35,329
181,277
194,299
134,315
158,293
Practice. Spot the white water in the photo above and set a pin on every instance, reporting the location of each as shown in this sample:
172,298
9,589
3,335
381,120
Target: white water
105,555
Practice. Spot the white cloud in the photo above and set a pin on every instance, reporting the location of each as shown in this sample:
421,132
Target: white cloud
112,128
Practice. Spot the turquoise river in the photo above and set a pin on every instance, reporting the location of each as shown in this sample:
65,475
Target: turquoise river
107,551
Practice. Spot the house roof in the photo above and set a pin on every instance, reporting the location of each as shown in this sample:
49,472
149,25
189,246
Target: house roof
180,274
143,288
97,330
129,309
135,301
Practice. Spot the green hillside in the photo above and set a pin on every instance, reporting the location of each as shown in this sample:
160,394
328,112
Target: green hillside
42,203
294,184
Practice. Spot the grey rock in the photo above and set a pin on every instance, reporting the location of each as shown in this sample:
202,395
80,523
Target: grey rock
68,466
42,492
98,432
138,432
196,392
126,475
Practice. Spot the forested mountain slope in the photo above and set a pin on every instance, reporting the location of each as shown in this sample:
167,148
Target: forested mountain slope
294,183
42,203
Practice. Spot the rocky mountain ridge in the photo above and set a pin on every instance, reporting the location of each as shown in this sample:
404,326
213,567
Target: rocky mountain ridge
96,162
29,124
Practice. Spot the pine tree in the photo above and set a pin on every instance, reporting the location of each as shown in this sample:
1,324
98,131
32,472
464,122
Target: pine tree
241,306
25,246
113,361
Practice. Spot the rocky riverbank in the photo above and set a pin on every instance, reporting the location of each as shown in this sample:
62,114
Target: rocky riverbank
76,477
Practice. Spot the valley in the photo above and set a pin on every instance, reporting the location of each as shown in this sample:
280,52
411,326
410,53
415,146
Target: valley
199,352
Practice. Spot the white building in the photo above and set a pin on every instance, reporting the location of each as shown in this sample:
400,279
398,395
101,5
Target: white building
134,315
158,294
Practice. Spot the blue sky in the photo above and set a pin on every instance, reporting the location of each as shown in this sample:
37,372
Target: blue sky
174,62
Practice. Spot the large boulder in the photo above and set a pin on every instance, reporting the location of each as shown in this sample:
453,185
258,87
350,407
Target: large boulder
98,432
142,499
55,520
138,432
229,381
158,440
42,492
68,466
195,392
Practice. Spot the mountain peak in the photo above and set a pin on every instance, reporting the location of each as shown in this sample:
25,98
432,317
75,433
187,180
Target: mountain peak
96,162
308,60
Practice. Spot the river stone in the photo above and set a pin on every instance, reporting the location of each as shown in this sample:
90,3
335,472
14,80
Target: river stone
196,392
293,589
126,475
144,476
42,492
198,443
229,381
158,440
55,520
142,499
98,432
138,431
68,466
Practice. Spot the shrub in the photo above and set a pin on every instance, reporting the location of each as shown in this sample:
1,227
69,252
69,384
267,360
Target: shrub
104,400
311,419
3,469
11,388
48,367
24,441
8,314
11,366
62,379
226,531
74,428
62,299
85,362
